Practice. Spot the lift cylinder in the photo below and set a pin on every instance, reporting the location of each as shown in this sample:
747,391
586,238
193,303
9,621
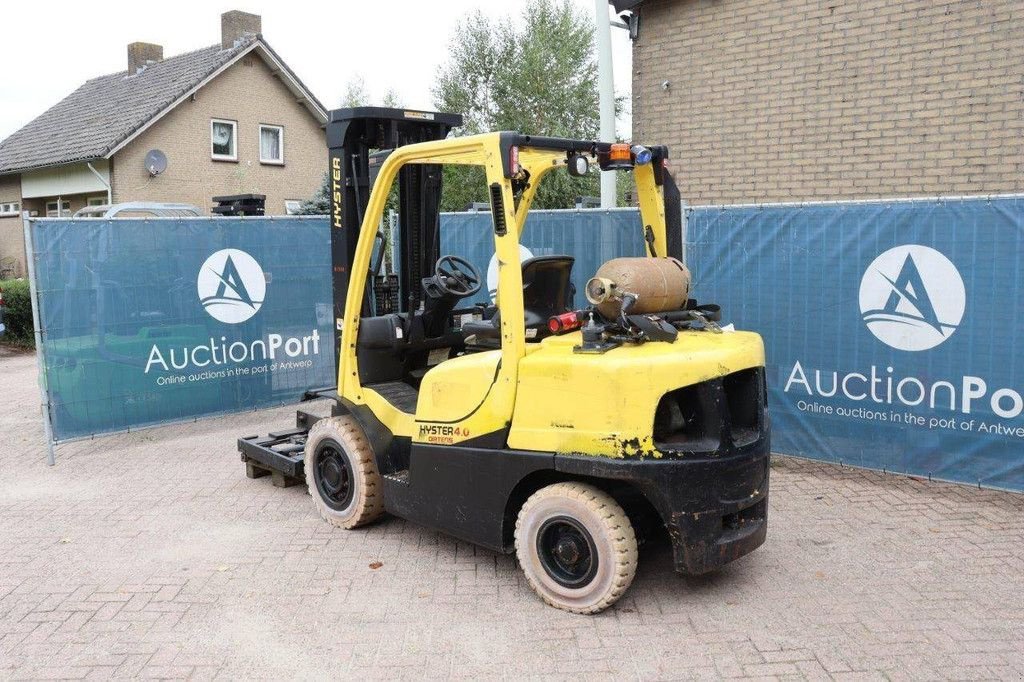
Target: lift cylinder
659,285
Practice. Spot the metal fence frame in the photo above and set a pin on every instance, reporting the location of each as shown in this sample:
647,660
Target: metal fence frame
44,395
687,210
39,333
935,199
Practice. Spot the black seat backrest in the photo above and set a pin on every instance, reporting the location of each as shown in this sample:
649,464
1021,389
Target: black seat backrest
547,290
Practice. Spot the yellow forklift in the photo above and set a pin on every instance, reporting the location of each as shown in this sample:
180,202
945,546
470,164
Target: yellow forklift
527,426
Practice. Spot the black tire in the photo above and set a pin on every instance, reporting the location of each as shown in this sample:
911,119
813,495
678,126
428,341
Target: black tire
341,473
576,547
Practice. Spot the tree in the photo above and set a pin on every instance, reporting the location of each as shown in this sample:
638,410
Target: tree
319,203
356,94
538,76
392,99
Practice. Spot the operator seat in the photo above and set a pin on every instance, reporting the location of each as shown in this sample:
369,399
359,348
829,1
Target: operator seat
547,291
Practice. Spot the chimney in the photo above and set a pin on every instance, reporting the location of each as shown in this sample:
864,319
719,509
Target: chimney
236,25
140,54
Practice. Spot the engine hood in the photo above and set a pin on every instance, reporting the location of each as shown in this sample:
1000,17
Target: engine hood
604,404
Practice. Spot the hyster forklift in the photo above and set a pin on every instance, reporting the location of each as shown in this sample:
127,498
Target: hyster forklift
527,426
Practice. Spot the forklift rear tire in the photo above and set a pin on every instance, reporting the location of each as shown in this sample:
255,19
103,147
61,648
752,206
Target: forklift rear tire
576,547
341,473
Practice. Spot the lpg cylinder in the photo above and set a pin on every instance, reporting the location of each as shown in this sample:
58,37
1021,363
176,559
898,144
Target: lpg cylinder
659,284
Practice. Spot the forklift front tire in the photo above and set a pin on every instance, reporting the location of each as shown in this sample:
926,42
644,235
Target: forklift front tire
576,547
342,474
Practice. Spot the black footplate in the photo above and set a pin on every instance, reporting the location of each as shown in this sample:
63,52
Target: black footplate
280,453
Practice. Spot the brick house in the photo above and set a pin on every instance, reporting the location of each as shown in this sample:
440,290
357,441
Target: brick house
762,100
230,118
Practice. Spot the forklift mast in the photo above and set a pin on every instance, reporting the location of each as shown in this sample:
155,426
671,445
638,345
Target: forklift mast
358,140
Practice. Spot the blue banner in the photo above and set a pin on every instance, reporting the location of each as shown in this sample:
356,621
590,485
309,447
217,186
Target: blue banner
892,329
151,321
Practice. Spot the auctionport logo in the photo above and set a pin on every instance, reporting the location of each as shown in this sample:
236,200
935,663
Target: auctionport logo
231,286
912,298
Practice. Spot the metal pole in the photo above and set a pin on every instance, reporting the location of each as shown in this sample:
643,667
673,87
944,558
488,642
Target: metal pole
30,256
685,227
606,92
392,241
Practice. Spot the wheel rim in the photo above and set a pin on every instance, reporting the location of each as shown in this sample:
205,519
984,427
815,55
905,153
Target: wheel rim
333,476
567,552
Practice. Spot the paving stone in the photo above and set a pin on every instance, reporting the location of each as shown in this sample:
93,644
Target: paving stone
151,555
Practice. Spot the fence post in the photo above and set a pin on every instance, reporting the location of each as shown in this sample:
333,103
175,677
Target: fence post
30,257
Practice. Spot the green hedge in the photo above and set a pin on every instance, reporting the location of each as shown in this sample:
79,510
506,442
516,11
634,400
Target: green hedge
17,312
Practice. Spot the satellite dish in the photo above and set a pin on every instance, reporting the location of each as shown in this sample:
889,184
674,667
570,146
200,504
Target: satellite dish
156,162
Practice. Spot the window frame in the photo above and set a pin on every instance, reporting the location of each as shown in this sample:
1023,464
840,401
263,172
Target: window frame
96,201
289,210
58,207
10,208
234,140
259,143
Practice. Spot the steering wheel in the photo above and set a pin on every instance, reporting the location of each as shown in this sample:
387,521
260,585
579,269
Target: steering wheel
457,276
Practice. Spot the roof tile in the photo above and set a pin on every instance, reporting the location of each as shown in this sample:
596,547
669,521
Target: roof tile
104,111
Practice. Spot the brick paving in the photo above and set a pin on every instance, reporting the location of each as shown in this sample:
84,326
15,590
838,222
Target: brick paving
150,554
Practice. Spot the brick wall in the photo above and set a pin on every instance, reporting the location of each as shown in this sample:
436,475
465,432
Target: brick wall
249,94
12,230
777,100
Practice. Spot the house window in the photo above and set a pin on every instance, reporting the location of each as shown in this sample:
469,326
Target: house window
292,206
96,201
10,208
271,144
223,140
51,209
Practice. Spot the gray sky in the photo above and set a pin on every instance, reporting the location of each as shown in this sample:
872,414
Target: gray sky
50,48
